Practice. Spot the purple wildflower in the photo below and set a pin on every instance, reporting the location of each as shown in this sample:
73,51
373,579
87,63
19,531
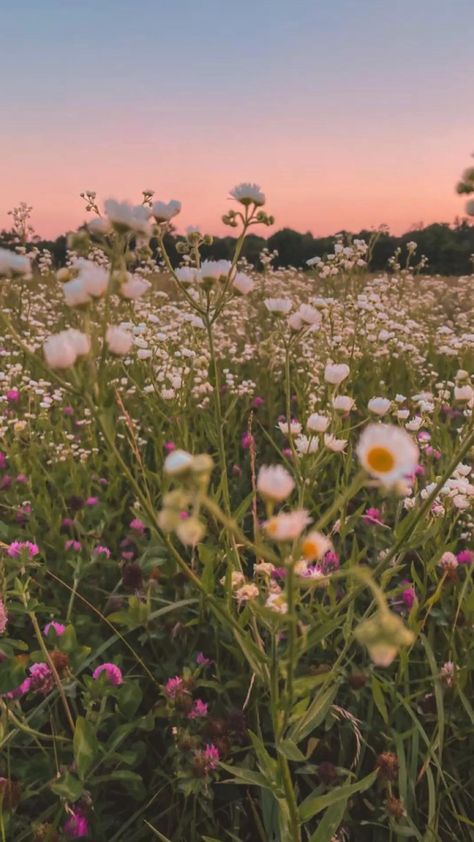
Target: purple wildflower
58,628
137,525
330,562
211,757
247,441
202,660
198,710
112,672
409,596
19,691
13,396
465,557
17,548
174,686
372,515
76,826
42,679
102,551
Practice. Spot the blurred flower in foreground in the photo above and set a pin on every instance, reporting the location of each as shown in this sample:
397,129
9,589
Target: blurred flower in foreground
388,453
383,635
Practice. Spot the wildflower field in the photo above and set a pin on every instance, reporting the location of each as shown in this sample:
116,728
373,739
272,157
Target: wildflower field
236,537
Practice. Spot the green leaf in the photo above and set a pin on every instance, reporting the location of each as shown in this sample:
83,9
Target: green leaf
67,786
207,557
378,697
314,804
118,775
85,746
314,715
157,833
246,776
290,750
266,762
12,673
330,822
129,698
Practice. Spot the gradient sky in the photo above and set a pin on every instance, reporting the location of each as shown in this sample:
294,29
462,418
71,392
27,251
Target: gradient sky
349,113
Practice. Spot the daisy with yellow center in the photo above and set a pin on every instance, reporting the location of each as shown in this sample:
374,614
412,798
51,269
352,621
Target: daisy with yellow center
387,453
286,526
315,546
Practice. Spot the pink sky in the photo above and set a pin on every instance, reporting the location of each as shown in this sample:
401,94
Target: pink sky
349,113
321,185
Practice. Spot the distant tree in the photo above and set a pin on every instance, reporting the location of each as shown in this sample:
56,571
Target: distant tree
448,247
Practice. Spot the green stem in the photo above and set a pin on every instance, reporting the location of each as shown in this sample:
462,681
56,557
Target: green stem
290,592
218,418
47,656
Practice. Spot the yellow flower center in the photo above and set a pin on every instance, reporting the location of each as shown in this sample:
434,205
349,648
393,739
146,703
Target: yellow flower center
380,459
271,526
310,548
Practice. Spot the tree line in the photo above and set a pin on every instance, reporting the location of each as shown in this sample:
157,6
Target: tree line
449,248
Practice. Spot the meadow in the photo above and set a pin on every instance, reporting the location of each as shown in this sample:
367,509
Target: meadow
236,537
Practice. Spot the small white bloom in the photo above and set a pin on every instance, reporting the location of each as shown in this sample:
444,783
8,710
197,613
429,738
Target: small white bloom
278,306
463,393
246,592
134,287
309,315
236,579
248,194
62,349
126,217
164,211
75,293
295,321
335,444
186,275
414,425
178,462
305,445
119,340
274,482
292,429
461,502
13,264
214,270
317,423
379,406
335,373
276,602
100,226
243,283
343,403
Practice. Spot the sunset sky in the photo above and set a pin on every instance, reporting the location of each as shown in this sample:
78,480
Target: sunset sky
349,113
